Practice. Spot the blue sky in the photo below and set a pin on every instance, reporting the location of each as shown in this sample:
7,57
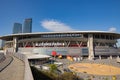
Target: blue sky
61,15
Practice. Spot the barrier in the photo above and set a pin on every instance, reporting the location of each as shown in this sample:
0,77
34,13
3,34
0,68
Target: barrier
28,73
5,63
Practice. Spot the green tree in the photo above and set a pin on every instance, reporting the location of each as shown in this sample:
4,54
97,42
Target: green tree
53,67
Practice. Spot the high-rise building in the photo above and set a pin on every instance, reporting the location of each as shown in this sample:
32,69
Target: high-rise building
17,28
27,28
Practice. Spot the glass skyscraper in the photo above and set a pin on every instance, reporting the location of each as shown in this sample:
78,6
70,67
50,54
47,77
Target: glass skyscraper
27,28
17,28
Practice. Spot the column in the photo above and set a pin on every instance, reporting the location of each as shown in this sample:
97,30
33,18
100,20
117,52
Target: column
15,46
90,47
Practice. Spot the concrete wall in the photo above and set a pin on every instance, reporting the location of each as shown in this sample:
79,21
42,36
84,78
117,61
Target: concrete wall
68,51
108,51
59,50
28,73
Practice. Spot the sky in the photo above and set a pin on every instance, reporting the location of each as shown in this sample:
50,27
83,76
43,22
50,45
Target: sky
61,15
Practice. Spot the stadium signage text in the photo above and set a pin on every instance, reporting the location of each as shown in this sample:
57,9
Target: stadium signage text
50,44
61,35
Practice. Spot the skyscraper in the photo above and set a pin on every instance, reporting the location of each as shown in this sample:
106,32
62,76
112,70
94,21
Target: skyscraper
17,28
27,25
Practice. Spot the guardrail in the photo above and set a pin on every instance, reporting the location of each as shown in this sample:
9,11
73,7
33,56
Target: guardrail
5,63
28,73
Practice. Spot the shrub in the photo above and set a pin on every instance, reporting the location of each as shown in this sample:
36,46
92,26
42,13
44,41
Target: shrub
113,77
44,75
53,67
39,75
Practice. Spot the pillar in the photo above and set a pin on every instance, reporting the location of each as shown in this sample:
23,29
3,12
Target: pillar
100,57
15,46
90,47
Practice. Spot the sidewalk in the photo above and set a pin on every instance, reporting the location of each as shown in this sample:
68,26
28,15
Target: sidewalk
14,71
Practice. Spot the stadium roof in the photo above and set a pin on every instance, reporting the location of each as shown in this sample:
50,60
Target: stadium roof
39,33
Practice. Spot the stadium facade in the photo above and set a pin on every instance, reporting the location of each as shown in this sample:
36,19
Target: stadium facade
74,43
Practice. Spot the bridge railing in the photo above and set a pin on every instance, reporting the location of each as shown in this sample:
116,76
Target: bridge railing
28,73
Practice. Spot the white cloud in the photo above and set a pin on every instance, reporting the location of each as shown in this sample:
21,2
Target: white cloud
53,25
112,29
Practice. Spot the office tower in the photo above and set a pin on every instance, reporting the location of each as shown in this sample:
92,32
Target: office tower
17,28
27,25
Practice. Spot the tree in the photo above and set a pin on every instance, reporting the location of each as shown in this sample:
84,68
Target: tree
53,67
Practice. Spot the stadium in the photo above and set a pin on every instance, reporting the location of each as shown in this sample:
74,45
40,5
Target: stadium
91,44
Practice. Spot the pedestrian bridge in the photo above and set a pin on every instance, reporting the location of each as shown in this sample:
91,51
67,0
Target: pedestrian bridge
17,69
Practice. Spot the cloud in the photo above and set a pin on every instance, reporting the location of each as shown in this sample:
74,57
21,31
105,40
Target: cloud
112,29
53,25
